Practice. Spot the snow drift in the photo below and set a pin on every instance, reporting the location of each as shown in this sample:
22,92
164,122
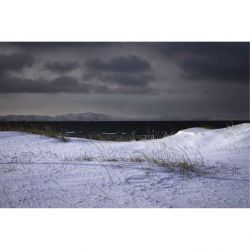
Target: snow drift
37,171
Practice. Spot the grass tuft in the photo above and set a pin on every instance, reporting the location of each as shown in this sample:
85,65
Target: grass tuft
38,130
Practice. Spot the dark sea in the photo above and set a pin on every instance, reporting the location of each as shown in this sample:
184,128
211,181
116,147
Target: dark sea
160,128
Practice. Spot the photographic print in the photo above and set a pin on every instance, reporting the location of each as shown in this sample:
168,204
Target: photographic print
124,125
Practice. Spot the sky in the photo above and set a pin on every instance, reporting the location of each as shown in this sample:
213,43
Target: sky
163,80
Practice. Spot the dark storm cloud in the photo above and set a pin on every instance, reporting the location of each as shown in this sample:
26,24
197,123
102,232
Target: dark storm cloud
215,61
215,68
125,74
15,62
11,84
124,90
66,84
129,80
61,67
222,61
52,46
119,64
184,80
236,49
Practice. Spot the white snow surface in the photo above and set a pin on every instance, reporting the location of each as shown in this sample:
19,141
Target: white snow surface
36,171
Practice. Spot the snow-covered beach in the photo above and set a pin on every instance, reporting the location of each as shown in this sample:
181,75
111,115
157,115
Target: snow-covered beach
36,171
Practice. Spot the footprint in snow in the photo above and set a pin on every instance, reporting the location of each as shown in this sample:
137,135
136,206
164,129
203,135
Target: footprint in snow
137,179
144,180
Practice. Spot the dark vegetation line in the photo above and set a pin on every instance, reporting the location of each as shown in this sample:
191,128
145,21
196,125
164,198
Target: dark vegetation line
48,131
110,130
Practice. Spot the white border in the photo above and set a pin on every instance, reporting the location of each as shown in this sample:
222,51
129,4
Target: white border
124,20
124,229
128,20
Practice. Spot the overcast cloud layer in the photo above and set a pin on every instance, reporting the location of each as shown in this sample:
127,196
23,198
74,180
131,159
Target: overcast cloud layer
180,81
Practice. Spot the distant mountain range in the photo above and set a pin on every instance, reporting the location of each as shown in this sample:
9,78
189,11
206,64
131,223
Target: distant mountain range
66,117
91,117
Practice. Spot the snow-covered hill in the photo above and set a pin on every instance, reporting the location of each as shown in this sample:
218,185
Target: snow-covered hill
37,171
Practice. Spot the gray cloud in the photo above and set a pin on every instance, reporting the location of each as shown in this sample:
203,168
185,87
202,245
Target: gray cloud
124,90
127,75
129,80
214,68
41,47
186,80
119,64
205,60
61,67
66,84
15,62
11,84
